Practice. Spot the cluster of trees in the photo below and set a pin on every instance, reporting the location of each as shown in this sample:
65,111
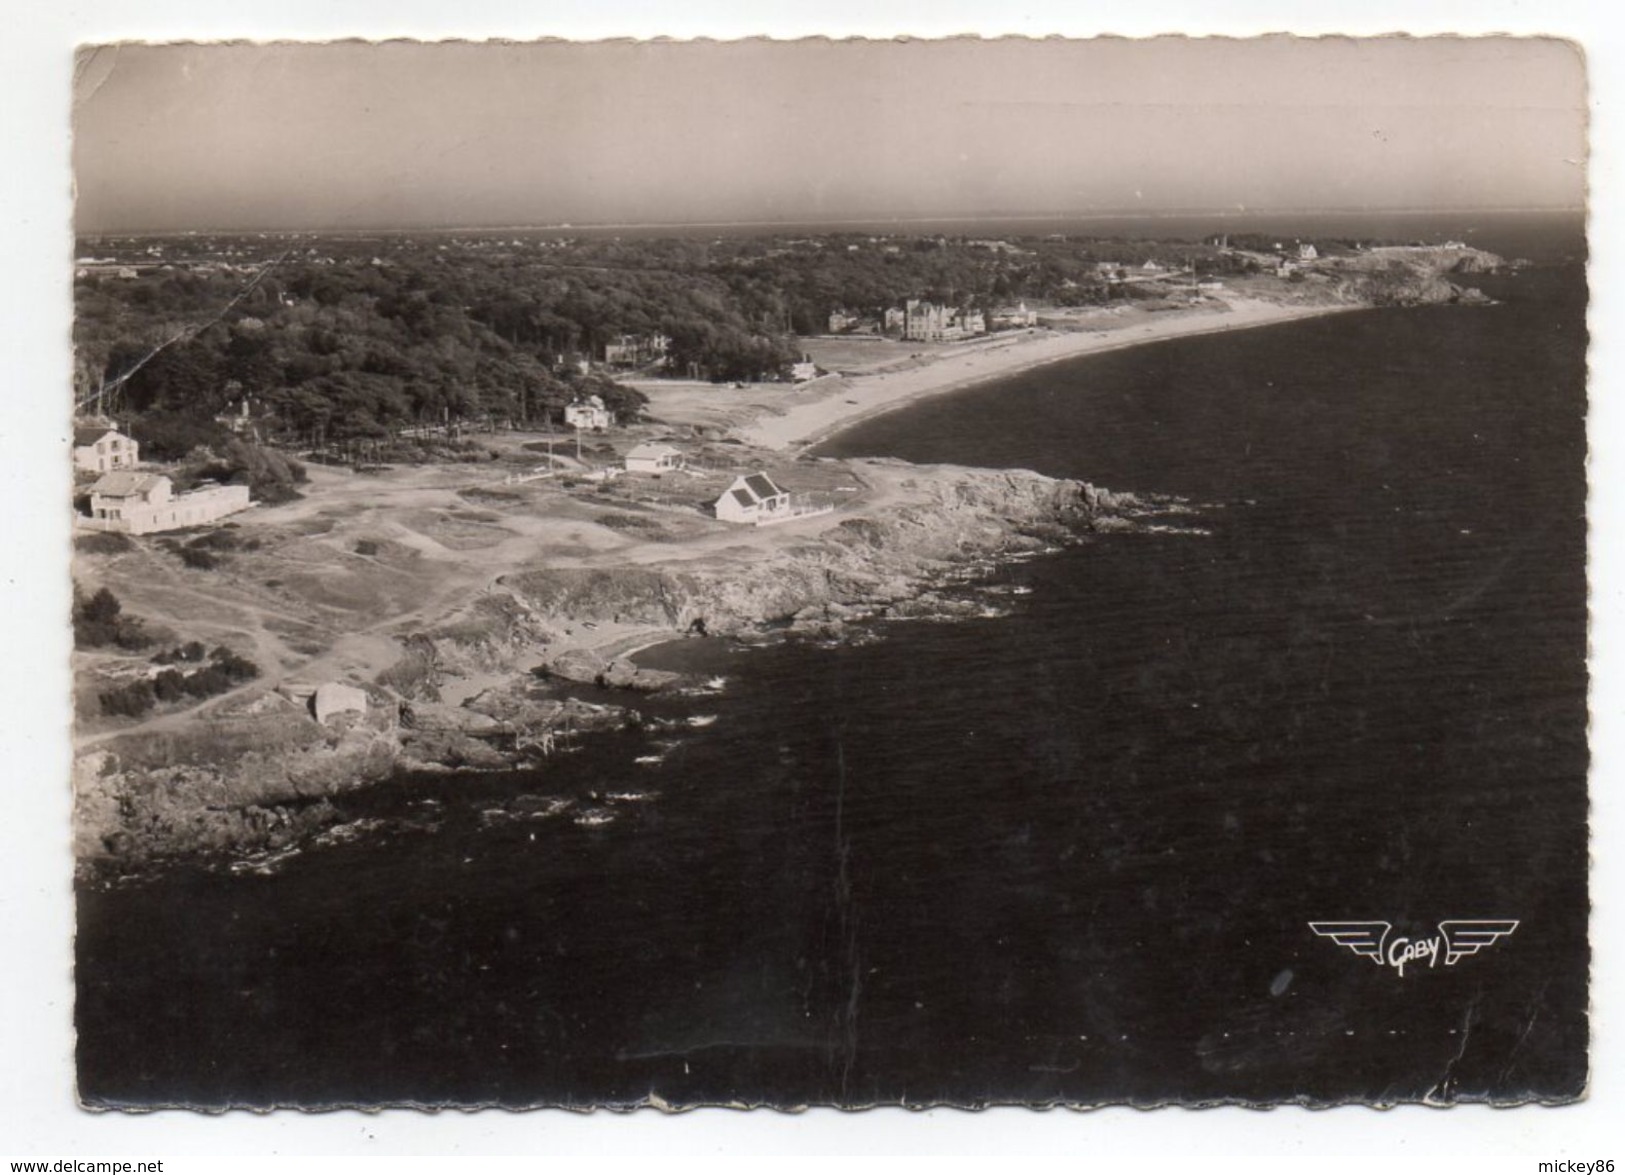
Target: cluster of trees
866,275
209,451
327,349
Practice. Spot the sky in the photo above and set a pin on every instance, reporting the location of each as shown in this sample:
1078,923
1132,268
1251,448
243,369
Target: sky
409,134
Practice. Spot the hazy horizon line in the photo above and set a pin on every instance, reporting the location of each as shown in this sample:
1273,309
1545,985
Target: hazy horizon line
836,223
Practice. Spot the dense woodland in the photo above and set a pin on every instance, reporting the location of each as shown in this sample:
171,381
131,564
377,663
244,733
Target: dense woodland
336,340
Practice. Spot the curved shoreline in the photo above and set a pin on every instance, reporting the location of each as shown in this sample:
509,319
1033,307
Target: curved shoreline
846,401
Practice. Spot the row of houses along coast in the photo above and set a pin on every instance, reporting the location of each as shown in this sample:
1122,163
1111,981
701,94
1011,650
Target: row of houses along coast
925,321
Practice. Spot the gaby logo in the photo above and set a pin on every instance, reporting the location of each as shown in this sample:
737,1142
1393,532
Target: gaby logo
1455,941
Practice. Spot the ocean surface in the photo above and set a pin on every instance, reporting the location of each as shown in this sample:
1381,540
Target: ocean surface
1065,852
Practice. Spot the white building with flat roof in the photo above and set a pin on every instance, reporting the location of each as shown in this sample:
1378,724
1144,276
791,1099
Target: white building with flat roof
653,458
145,503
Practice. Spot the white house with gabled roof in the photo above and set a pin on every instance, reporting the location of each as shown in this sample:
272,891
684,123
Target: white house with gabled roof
100,448
752,498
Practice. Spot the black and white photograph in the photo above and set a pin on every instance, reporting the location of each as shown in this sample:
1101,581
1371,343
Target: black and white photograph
648,574
830,573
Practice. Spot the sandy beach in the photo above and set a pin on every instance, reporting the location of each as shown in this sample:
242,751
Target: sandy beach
798,419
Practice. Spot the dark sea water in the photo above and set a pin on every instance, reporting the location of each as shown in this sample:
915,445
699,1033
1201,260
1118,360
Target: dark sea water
1068,852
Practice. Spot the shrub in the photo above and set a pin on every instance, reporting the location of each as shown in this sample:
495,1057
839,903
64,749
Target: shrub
482,495
190,651
98,620
131,635
366,547
103,542
199,558
625,522
275,493
101,608
128,701
169,686
205,683
93,634
235,667
224,670
215,540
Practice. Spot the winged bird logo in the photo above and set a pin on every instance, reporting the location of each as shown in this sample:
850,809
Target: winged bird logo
1456,939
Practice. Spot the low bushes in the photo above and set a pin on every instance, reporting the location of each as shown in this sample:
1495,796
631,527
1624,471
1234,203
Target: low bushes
128,701
207,551
103,542
225,670
190,651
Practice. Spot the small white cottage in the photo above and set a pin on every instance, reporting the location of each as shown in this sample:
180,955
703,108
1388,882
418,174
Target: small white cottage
653,458
752,498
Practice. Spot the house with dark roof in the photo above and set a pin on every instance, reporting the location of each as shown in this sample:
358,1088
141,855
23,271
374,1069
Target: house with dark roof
100,448
752,498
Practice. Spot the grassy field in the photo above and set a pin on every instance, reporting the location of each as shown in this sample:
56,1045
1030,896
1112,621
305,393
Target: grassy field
328,587
859,354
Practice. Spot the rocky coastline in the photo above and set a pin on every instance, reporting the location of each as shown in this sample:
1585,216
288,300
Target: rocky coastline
267,776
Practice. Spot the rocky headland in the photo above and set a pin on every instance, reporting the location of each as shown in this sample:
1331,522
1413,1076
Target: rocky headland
490,687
